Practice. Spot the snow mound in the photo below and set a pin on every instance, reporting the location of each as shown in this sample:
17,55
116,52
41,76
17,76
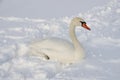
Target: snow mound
102,45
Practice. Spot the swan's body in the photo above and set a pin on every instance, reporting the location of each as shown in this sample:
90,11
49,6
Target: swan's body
60,49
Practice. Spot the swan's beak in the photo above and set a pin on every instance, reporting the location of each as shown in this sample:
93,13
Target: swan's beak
85,26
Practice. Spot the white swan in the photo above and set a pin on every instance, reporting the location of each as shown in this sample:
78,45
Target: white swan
60,49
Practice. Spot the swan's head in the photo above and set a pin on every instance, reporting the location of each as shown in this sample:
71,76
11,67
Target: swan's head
79,22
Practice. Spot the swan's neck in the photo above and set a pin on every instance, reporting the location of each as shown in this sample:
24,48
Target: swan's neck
73,36
79,53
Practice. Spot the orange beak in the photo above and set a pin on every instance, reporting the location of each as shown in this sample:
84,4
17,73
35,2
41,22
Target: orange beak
85,26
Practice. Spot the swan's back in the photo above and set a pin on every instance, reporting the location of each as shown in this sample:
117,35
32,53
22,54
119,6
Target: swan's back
53,44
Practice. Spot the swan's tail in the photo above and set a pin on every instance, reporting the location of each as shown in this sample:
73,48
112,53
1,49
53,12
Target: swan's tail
22,49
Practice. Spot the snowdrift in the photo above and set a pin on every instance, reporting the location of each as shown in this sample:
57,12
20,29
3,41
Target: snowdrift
102,45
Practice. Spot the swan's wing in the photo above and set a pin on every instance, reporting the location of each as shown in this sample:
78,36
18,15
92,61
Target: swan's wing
53,45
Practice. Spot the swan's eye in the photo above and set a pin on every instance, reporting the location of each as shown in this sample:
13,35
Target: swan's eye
83,22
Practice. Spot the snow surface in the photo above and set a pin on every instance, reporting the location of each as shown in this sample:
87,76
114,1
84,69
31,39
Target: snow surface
102,45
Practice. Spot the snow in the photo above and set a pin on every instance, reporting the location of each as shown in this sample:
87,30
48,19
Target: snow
102,46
